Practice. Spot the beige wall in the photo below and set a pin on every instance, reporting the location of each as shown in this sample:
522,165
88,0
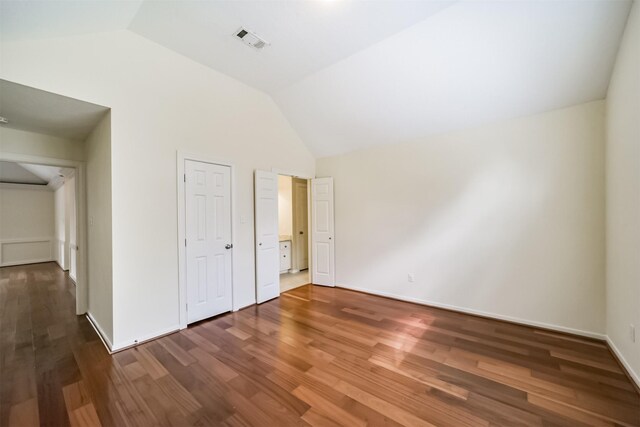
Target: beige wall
623,197
161,102
285,208
99,229
37,144
506,219
26,213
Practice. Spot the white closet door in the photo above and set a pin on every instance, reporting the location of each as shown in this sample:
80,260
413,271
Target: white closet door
267,244
208,232
322,232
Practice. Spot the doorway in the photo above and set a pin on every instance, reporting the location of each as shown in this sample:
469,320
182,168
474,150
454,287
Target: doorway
205,215
268,237
293,232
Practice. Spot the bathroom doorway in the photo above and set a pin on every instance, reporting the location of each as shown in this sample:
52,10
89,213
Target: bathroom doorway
293,231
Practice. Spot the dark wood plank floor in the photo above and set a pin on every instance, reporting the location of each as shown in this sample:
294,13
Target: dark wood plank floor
316,356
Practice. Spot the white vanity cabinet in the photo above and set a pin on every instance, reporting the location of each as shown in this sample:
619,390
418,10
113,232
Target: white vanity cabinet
285,256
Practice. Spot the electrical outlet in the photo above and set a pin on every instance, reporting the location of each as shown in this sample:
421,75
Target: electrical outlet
632,333
411,278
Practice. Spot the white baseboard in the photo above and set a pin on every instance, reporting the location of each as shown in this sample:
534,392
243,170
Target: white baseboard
26,262
103,337
123,345
633,374
466,310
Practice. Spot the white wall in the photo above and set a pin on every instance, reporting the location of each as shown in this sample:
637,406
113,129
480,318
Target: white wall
161,102
506,219
285,207
60,227
26,224
38,144
65,225
99,227
623,197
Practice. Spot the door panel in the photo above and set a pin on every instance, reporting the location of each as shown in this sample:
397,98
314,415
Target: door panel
267,244
208,232
322,231
301,224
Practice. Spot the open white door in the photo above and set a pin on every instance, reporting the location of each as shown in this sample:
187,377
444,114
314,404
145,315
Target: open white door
208,239
267,245
322,232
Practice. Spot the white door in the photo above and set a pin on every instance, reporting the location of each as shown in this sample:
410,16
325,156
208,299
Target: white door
301,226
267,244
208,231
322,232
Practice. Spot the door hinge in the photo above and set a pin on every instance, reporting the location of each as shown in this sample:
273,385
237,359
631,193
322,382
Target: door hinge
184,177
185,243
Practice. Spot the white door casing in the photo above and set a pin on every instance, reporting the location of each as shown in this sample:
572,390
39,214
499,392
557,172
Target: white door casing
267,244
322,232
208,239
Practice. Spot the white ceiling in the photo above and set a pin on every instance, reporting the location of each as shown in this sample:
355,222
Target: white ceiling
350,74
472,63
27,173
305,36
15,173
38,111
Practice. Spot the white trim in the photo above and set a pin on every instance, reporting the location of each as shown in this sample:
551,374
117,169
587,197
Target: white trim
18,186
148,337
27,240
181,157
465,310
82,288
635,376
26,262
103,337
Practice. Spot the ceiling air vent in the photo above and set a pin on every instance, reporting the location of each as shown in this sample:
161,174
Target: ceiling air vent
251,39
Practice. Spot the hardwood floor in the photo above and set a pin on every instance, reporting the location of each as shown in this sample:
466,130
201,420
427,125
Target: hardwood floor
315,356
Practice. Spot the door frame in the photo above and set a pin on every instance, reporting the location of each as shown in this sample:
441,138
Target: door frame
181,157
82,294
293,174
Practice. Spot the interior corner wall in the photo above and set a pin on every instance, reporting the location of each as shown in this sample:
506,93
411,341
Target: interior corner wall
623,198
161,102
99,228
505,220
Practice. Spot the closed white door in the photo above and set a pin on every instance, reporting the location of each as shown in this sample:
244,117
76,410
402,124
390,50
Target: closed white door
208,231
267,245
322,232
301,224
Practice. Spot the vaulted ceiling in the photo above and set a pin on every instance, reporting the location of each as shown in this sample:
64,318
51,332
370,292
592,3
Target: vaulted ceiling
351,74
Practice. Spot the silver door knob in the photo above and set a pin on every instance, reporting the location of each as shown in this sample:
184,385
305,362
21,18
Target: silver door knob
228,246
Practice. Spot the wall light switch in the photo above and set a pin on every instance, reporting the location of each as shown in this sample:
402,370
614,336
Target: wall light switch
243,219
411,278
